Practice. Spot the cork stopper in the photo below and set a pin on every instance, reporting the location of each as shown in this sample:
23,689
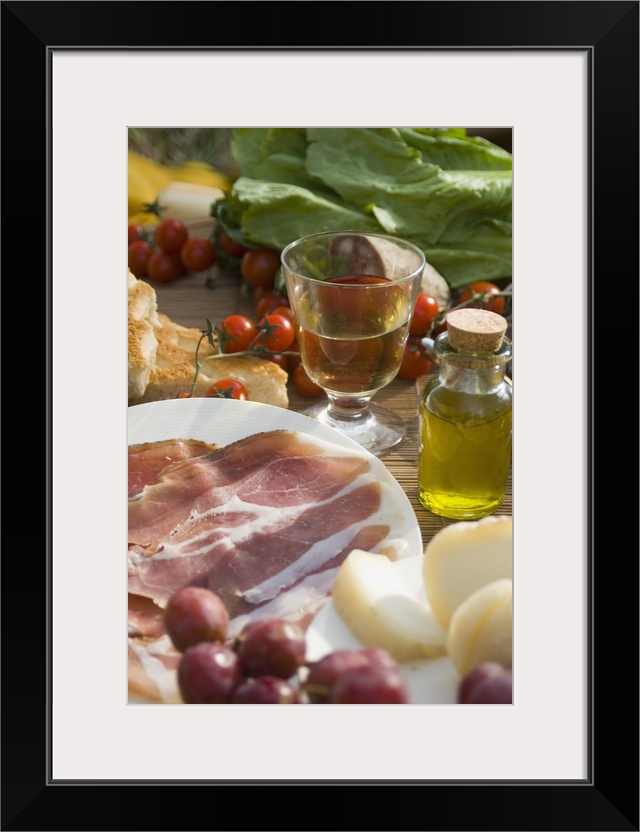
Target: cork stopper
476,331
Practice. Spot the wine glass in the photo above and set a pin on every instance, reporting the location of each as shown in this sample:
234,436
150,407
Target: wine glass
352,295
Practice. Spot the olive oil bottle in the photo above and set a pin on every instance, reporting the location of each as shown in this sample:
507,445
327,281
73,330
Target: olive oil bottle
465,418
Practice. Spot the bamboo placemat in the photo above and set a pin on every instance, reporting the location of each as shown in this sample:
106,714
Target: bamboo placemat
193,299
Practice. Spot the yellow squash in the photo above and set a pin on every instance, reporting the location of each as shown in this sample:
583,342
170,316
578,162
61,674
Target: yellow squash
200,173
187,200
146,177
150,182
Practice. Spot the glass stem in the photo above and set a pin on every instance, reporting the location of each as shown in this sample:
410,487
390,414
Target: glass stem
350,408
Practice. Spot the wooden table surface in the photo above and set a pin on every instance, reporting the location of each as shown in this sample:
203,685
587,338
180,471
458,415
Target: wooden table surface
192,299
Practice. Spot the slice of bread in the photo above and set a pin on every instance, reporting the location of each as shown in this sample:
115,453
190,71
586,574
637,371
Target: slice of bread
162,358
143,343
175,364
143,303
143,346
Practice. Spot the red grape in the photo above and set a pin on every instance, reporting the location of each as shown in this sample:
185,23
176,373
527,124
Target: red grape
378,656
489,683
271,647
195,614
244,632
325,672
370,684
208,673
266,690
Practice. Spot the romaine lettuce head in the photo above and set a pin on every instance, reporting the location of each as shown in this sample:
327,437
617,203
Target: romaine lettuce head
449,193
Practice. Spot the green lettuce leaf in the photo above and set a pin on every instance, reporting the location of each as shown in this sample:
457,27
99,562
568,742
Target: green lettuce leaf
449,193
275,214
453,150
289,170
408,196
252,145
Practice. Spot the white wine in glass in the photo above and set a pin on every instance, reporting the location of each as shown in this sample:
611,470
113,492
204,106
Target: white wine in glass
352,296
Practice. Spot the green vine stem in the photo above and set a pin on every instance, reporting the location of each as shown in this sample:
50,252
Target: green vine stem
258,351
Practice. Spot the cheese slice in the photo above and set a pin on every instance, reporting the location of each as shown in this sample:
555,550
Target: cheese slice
463,557
481,628
373,600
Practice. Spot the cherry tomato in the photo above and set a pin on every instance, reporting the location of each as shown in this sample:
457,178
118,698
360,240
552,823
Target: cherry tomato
492,304
228,388
197,254
304,385
279,359
237,333
268,302
286,312
171,234
134,232
424,314
258,267
230,246
139,253
278,333
414,364
258,293
163,266
295,359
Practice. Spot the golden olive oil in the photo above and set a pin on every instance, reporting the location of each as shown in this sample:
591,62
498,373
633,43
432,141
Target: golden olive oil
463,467
465,418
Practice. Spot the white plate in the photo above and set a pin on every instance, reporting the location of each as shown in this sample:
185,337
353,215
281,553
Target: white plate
222,421
430,682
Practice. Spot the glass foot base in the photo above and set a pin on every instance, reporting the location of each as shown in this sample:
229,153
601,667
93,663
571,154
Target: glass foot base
377,431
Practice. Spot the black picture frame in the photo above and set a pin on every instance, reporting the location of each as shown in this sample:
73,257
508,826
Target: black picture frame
608,798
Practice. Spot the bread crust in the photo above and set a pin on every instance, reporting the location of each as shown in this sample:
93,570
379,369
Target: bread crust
168,372
143,344
176,363
143,304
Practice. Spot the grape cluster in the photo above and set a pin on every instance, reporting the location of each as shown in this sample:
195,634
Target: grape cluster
266,662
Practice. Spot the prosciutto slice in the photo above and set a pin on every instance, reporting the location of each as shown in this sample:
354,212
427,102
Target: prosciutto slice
148,459
276,512
152,670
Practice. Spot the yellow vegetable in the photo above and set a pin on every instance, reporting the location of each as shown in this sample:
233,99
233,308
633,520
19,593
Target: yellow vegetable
150,183
143,218
200,173
145,178
187,200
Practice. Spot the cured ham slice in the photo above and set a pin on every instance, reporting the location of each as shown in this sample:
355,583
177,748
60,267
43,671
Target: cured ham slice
145,618
152,658
148,459
254,518
152,670
264,522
